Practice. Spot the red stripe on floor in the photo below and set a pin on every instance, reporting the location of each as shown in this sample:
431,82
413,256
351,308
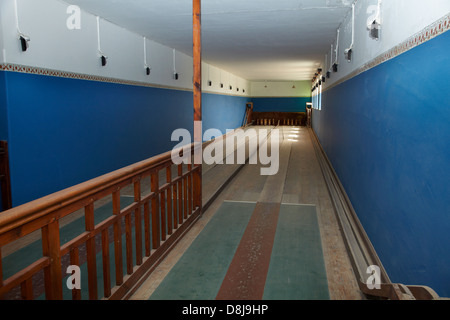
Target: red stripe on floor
246,276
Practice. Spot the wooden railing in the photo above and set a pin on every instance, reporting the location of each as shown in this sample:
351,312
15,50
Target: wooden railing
283,118
163,202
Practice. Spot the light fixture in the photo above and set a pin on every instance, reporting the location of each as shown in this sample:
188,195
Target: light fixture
209,81
147,68
175,73
103,57
335,64
349,52
221,85
331,62
375,26
24,40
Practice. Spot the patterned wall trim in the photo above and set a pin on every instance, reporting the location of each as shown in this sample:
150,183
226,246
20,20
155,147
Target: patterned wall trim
71,75
430,32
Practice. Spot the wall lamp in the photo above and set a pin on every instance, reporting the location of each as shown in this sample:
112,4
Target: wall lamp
103,59
349,52
375,26
335,64
24,42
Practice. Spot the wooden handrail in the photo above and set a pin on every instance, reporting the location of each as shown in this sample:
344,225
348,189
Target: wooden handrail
167,211
33,210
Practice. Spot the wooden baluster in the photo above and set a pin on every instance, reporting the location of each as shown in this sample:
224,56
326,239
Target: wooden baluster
189,189
51,249
155,211
91,252
169,200
26,289
175,205
198,188
163,215
138,221
75,261
185,208
105,262
180,194
147,228
117,239
128,244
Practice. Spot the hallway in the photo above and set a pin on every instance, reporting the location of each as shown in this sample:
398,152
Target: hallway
94,95
299,182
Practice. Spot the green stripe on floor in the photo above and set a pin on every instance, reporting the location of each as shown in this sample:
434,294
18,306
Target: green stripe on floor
200,271
297,269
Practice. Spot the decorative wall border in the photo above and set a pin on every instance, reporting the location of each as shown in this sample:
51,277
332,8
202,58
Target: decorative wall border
433,30
79,76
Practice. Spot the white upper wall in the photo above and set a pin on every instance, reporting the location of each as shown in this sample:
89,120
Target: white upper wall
400,19
54,46
281,88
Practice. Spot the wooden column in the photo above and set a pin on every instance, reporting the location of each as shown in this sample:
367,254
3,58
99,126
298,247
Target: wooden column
197,54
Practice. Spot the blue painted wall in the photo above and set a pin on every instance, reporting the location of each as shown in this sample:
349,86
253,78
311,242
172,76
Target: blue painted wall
66,131
282,104
3,109
3,116
387,134
222,111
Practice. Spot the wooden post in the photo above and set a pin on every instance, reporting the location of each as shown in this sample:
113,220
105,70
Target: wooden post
91,252
197,54
51,249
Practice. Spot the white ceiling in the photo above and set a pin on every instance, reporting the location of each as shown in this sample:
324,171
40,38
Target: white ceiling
253,39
